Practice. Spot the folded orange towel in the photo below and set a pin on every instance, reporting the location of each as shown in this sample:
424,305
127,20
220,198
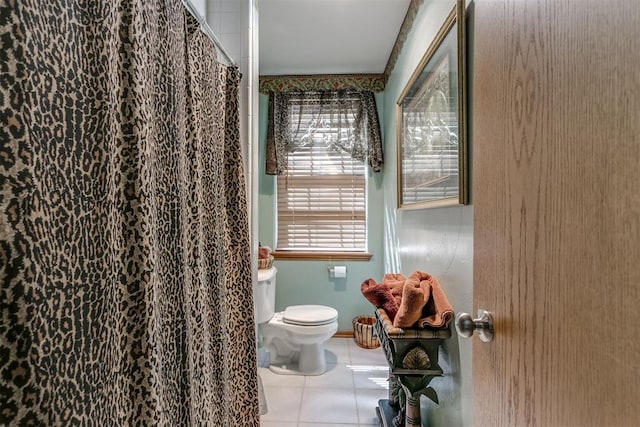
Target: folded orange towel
395,283
416,301
380,296
423,303
413,300
438,312
263,252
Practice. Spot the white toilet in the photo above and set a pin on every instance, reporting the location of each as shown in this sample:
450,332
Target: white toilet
294,337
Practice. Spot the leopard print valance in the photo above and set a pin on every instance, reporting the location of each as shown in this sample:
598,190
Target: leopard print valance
351,114
361,82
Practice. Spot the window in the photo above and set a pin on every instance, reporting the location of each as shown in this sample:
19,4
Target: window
322,201
318,144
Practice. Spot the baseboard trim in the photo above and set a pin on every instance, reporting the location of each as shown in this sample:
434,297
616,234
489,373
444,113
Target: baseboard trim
343,334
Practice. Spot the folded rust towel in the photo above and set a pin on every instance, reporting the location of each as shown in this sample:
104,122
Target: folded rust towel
412,303
395,283
263,252
438,312
380,296
423,303
416,301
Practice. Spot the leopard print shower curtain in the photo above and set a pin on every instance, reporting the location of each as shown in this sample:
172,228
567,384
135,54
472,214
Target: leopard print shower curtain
124,250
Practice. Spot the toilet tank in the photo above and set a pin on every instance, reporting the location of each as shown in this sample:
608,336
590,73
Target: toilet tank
264,295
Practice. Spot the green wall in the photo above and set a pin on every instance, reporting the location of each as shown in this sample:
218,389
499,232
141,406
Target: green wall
308,282
437,240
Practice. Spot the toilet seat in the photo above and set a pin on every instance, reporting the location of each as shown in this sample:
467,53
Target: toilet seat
309,315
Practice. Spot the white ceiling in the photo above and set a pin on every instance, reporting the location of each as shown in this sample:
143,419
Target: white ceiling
327,36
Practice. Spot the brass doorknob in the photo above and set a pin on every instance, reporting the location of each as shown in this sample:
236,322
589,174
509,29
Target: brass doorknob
465,325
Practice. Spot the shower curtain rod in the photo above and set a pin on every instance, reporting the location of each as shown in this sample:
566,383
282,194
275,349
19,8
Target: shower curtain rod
207,29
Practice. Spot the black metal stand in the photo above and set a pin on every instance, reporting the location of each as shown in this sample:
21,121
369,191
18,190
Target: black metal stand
386,413
412,355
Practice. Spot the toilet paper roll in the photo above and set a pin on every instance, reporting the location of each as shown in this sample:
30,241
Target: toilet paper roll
340,271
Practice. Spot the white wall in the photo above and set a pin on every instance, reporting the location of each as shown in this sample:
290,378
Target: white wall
438,241
201,6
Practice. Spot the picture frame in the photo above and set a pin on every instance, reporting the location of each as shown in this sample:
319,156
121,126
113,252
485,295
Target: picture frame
431,123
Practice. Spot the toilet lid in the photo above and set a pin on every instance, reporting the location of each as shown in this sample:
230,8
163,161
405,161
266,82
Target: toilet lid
309,315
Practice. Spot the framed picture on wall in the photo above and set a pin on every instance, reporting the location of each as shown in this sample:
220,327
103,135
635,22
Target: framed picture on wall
431,125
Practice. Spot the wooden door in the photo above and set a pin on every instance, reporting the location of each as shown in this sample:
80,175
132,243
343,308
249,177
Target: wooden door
556,193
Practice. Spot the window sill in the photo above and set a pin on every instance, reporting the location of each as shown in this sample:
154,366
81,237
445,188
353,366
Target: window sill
321,256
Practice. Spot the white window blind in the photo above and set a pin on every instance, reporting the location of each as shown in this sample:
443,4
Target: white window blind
322,200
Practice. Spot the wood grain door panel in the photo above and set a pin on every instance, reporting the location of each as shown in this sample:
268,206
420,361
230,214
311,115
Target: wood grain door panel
556,192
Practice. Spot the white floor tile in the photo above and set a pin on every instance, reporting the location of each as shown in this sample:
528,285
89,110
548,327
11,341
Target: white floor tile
277,424
345,396
365,356
283,403
367,402
337,350
328,405
337,376
275,380
327,425
370,376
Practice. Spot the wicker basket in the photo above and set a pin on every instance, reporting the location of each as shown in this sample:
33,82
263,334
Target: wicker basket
263,264
363,332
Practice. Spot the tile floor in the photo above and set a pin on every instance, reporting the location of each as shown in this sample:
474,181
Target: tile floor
346,395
